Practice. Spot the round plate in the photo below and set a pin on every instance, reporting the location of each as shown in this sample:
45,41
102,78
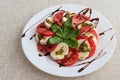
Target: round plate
105,45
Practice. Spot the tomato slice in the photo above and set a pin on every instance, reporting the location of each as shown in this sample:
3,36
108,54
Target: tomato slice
77,19
42,24
85,17
46,48
42,30
48,33
89,29
50,47
91,42
41,48
70,58
58,17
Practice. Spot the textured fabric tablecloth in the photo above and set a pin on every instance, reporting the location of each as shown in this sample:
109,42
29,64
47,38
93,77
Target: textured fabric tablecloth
14,14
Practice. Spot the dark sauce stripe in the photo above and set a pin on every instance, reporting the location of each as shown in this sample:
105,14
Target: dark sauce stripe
85,11
95,21
102,33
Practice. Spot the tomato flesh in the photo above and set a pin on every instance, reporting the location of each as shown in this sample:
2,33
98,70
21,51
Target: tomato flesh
42,30
48,33
91,42
77,19
88,29
46,48
70,58
85,17
58,17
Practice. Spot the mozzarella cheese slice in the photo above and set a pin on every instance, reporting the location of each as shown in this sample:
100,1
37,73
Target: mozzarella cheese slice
37,37
79,26
44,40
83,55
89,23
48,22
64,19
86,23
60,51
92,37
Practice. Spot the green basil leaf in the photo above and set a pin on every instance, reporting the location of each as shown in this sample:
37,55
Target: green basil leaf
54,40
73,34
57,29
72,42
67,26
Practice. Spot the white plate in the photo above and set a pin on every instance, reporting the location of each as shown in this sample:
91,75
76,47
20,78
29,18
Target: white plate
106,43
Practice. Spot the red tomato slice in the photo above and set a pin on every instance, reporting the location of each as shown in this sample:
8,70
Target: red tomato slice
48,33
85,17
42,24
41,48
89,30
46,48
77,19
91,42
50,47
69,59
58,17
42,30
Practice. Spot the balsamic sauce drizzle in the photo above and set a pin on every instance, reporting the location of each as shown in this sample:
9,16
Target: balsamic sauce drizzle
85,11
102,33
23,35
57,10
95,21
100,54
32,36
39,55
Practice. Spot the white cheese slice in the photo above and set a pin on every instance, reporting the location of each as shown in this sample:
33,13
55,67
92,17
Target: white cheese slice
57,54
44,40
48,25
83,55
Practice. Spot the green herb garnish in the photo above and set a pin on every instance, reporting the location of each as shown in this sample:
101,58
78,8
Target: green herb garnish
65,34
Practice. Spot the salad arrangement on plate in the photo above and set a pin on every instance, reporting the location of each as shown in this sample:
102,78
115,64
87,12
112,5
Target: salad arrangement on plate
57,37
67,37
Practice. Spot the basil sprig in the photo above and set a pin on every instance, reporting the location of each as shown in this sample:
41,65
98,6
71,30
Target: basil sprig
65,34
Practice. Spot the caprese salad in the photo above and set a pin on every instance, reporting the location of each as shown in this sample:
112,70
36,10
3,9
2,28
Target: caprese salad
67,37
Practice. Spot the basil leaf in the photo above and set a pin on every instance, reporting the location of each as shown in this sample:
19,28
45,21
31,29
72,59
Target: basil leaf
67,26
55,27
72,42
54,40
73,34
